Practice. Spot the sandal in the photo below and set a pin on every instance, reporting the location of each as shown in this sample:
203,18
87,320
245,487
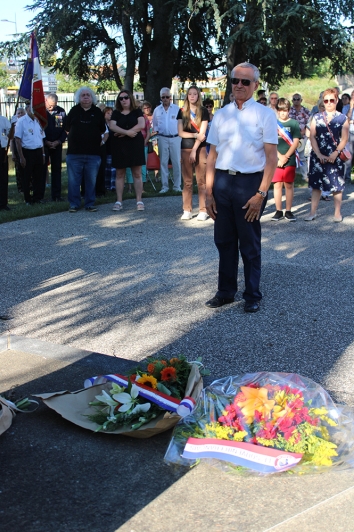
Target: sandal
117,206
140,206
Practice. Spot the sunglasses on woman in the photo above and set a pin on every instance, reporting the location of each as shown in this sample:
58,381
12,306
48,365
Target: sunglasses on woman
331,100
121,98
245,82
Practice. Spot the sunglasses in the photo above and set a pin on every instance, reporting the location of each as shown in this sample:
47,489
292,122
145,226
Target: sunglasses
165,97
245,82
296,99
121,98
332,100
209,106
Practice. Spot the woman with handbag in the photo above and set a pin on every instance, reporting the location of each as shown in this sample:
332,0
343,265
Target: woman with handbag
192,125
329,136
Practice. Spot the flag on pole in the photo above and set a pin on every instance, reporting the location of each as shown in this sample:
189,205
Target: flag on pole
26,82
37,95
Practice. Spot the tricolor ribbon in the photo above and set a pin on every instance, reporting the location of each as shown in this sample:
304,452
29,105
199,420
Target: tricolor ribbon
285,135
182,408
256,457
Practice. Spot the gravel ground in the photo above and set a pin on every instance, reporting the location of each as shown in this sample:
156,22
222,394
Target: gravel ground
134,284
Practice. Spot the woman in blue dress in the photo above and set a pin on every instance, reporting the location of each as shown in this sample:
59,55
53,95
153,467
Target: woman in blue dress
329,136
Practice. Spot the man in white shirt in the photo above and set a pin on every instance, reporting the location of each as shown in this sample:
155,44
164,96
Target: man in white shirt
241,163
29,137
165,124
5,127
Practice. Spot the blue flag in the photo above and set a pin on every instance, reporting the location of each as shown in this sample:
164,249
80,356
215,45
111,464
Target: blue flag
26,82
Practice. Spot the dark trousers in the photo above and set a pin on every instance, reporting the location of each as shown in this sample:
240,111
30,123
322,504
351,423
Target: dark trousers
34,169
54,155
100,181
4,177
232,233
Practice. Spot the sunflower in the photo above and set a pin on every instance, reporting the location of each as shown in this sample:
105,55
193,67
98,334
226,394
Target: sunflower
169,374
147,380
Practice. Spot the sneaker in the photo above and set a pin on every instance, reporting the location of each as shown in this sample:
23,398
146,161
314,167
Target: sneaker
164,190
177,189
289,216
277,216
91,209
187,215
202,217
73,209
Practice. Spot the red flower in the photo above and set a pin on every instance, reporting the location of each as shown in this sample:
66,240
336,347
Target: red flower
169,374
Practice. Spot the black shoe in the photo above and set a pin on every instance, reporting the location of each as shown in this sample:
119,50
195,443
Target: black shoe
217,302
5,208
277,216
91,209
289,216
73,209
252,306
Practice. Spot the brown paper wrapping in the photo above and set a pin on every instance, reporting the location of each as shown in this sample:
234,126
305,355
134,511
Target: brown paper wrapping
6,415
74,406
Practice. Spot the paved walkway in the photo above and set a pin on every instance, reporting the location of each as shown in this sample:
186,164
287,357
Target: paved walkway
92,292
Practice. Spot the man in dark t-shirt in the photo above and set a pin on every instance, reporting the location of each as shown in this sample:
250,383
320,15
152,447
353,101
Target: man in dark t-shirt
53,144
84,124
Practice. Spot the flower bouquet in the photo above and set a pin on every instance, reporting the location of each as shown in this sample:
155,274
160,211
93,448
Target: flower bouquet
150,400
265,422
8,410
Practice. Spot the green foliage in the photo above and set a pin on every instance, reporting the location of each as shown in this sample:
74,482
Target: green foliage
68,83
5,78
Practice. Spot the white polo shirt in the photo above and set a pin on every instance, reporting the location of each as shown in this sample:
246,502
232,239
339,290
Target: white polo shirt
29,132
4,131
165,122
239,136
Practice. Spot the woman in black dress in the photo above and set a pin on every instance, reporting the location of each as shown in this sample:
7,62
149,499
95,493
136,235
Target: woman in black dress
127,145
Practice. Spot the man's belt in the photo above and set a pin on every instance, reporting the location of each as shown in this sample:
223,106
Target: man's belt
231,172
167,136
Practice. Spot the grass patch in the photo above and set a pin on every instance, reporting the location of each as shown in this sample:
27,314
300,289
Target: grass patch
308,88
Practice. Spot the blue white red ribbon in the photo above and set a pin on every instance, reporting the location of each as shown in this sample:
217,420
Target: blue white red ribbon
167,402
285,135
256,457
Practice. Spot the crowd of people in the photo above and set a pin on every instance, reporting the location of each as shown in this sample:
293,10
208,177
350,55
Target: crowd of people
108,148
235,154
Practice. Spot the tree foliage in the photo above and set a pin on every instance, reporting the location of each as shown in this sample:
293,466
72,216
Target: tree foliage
160,39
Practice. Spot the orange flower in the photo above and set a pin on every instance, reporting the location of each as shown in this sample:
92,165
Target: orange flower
174,360
151,368
255,399
168,374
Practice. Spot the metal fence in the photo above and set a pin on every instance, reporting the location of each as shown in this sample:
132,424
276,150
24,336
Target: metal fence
66,100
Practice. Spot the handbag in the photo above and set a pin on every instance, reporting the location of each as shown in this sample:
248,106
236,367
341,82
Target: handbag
345,154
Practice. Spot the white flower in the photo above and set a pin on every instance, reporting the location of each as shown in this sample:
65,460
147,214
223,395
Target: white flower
105,398
129,400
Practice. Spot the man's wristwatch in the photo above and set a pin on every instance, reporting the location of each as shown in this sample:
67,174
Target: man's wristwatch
263,194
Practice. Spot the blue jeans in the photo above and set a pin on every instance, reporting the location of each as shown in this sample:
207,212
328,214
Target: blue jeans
79,166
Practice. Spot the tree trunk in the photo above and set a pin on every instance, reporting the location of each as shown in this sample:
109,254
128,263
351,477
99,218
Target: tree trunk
130,52
161,54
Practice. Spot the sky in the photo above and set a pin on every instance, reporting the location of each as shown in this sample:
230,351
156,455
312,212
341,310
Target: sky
14,10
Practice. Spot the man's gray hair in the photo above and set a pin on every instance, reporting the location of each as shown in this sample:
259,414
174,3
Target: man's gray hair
256,73
52,96
165,89
80,90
